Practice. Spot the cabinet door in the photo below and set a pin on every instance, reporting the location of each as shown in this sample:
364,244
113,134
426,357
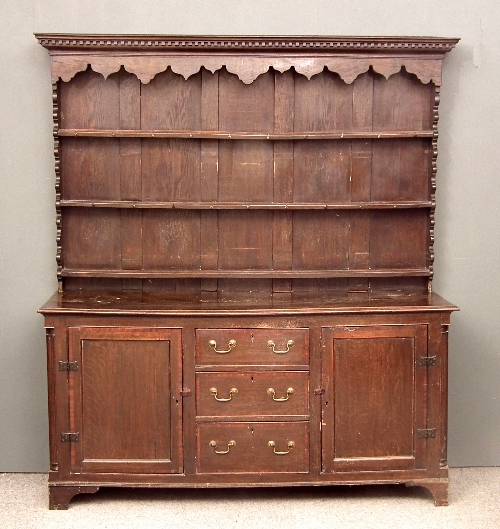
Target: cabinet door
375,398
124,400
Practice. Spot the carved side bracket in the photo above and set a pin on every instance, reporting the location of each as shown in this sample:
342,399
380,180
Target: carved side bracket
246,67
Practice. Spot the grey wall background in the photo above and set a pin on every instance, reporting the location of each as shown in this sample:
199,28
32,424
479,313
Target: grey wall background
467,268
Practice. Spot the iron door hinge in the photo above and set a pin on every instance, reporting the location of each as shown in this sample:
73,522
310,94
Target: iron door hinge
185,392
68,366
319,391
426,361
426,433
70,437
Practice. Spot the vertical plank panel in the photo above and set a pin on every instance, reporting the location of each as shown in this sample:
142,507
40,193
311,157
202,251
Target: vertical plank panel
361,155
171,239
91,241
323,103
130,177
398,284
333,285
402,102
401,169
171,170
245,240
361,170
228,286
209,239
130,149
130,169
171,103
90,169
399,239
284,105
131,239
284,91
282,240
320,240
246,167
130,101
246,108
246,171
359,240
362,103
322,171
209,157
90,102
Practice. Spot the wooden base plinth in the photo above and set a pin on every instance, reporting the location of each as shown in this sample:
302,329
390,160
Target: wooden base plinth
60,496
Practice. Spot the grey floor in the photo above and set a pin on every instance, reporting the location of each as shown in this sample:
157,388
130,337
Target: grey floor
474,504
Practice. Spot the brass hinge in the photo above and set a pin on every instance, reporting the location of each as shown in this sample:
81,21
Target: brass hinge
70,437
185,392
426,433
68,366
319,391
426,361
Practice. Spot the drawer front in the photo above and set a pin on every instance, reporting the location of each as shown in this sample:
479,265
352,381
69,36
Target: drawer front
236,447
252,394
252,347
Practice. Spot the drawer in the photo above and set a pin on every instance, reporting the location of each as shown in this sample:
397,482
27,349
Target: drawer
252,346
252,394
237,447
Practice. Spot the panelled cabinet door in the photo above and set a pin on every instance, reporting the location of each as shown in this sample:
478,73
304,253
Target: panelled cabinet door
124,400
375,398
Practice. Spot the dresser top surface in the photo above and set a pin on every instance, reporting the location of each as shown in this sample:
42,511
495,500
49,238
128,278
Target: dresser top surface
211,304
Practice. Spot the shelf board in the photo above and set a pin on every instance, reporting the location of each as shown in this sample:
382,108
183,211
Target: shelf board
224,135
242,205
249,274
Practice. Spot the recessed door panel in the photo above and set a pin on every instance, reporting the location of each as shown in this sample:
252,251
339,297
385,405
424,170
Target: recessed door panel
375,398
124,400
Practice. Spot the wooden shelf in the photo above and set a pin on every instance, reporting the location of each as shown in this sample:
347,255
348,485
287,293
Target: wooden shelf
248,274
134,204
224,135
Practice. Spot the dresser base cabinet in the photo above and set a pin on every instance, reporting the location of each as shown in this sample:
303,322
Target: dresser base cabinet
224,396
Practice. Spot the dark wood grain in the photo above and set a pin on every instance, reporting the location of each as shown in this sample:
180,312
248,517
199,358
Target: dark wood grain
253,213
252,452
320,241
375,400
171,239
252,347
246,108
90,169
252,397
102,413
323,103
171,170
90,102
168,102
91,241
391,103
245,240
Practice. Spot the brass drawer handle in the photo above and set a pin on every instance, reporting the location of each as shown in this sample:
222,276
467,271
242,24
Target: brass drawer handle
271,392
232,391
272,346
290,445
230,345
213,444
